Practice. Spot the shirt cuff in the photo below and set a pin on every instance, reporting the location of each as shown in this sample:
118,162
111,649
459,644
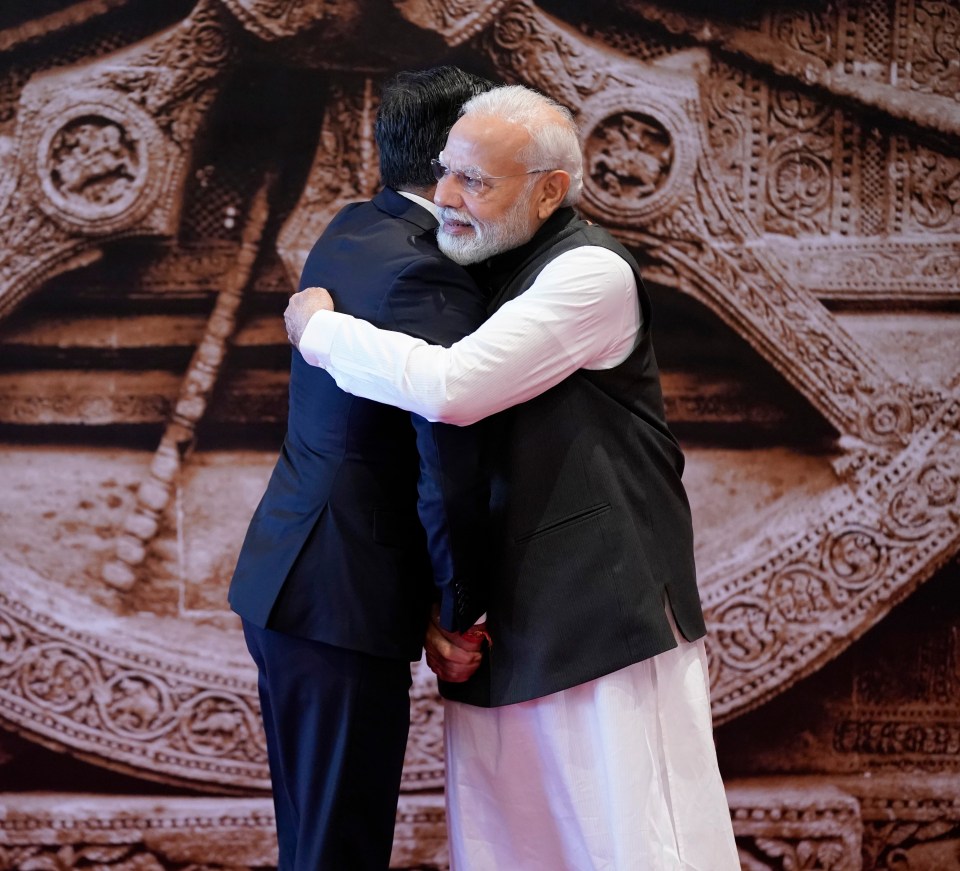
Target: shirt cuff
317,339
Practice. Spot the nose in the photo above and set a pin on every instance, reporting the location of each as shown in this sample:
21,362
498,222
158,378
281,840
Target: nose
448,192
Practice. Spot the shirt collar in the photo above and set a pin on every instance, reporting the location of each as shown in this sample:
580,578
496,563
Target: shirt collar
420,201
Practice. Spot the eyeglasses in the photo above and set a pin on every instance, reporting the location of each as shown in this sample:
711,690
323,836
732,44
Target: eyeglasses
471,180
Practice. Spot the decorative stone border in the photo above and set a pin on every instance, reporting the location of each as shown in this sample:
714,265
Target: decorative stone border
834,824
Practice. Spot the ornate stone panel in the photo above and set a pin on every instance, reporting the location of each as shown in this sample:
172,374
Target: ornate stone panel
279,19
102,150
795,825
802,823
130,694
455,20
918,269
145,834
787,169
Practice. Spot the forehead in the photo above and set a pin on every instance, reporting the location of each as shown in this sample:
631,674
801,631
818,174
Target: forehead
486,142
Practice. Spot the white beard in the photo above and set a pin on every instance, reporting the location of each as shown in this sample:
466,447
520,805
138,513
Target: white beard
487,239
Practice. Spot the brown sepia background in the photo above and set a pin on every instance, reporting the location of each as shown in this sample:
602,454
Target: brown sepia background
789,176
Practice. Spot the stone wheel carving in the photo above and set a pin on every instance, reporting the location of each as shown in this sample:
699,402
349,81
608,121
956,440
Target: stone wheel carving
671,171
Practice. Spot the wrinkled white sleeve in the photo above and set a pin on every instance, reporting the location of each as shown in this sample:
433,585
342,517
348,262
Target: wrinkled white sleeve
581,312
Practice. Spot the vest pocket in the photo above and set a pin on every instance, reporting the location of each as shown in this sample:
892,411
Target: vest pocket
564,522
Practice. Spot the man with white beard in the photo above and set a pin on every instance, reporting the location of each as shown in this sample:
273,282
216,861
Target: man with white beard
580,737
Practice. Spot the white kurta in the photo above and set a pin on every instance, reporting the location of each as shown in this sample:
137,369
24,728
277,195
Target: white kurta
618,773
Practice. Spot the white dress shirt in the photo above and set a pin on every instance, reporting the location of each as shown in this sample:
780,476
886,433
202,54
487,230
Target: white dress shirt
429,205
580,312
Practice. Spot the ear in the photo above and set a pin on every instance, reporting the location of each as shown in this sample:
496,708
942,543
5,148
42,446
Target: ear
554,189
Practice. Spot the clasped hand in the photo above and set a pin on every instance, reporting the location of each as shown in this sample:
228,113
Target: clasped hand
453,656
301,307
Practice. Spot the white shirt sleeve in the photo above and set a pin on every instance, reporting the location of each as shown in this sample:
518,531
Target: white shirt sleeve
581,312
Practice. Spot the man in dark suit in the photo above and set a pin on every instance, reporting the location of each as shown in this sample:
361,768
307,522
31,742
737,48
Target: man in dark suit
365,506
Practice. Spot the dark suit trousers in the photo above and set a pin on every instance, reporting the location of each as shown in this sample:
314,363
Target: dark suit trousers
336,723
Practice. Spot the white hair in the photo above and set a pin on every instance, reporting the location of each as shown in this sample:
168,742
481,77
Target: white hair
554,137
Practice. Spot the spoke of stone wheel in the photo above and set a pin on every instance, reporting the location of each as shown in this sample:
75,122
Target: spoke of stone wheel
803,341
154,493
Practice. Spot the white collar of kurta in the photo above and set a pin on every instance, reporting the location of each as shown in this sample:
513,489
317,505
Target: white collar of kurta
420,201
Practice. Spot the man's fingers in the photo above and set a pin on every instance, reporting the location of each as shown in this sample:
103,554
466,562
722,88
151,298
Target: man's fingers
448,660
447,642
294,321
301,307
453,672
455,655
318,295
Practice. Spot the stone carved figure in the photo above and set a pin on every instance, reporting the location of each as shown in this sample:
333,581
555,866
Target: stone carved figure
630,157
91,160
789,177
137,707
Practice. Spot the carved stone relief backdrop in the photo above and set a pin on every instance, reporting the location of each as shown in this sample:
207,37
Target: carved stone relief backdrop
789,176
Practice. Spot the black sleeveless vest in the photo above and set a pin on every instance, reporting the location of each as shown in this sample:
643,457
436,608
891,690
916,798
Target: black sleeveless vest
592,526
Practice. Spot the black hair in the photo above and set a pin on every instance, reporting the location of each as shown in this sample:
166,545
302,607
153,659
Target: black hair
417,110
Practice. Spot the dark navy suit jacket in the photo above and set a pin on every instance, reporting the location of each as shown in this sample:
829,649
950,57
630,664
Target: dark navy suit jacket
372,513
